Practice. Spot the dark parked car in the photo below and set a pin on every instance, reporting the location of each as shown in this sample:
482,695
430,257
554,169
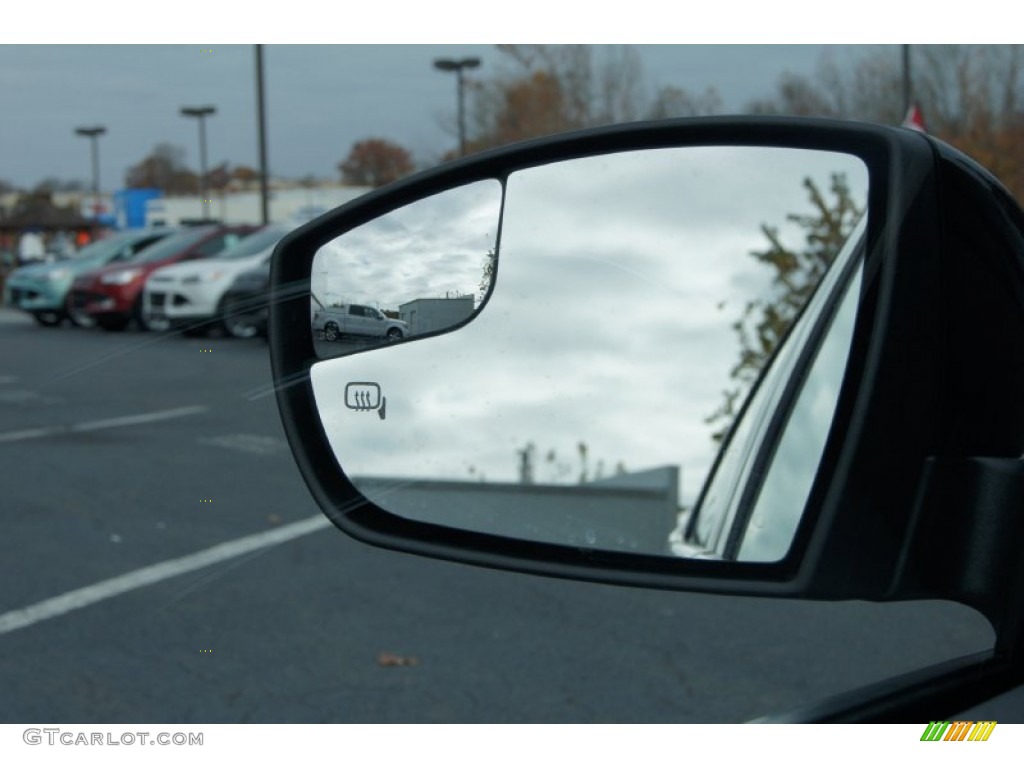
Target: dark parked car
245,303
112,296
873,451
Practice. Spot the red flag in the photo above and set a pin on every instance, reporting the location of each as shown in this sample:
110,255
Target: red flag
915,118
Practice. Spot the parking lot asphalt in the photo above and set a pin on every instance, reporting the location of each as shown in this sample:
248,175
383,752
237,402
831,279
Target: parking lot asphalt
126,459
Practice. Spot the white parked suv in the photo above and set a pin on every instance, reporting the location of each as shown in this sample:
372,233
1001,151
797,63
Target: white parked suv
190,295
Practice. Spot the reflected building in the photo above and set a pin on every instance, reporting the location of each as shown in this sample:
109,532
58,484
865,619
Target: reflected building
629,512
426,315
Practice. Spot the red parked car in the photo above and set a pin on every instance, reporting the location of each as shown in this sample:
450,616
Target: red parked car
113,295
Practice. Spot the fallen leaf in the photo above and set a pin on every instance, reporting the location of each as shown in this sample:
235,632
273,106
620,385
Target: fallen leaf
385,659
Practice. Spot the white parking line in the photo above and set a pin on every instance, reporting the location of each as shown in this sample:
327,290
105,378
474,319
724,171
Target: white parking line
92,426
23,396
260,445
168,569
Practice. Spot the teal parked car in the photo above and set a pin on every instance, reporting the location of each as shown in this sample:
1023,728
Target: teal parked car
42,289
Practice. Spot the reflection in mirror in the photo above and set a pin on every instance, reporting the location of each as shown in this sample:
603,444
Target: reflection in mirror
421,269
790,474
636,300
782,484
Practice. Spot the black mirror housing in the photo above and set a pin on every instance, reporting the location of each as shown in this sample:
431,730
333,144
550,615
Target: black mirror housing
935,221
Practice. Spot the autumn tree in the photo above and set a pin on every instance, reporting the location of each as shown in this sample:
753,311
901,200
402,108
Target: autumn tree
972,97
219,177
53,184
375,162
532,105
795,275
976,94
596,87
164,168
245,175
538,90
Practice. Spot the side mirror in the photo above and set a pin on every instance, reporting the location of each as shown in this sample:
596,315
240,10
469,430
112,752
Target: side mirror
690,354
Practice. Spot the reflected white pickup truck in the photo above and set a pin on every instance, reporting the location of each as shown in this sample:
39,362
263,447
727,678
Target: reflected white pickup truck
355,320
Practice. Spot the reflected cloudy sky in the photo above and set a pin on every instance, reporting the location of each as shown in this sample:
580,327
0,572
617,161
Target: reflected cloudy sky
619,280
432,248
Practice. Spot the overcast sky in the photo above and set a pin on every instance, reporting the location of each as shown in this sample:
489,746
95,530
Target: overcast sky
320,99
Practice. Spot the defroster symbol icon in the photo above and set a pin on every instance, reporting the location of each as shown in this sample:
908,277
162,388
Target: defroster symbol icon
365,396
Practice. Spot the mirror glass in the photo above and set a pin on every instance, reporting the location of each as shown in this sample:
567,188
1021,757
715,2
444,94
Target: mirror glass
635,299
417,270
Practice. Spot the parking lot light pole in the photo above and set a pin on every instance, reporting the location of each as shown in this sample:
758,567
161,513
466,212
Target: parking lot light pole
94,134
457,66
201,113
261,124
908,92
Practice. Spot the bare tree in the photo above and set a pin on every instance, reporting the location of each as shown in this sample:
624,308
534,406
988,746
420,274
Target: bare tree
538,90
671,101
971,97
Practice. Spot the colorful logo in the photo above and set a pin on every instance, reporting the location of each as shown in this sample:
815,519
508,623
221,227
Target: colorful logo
958,731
